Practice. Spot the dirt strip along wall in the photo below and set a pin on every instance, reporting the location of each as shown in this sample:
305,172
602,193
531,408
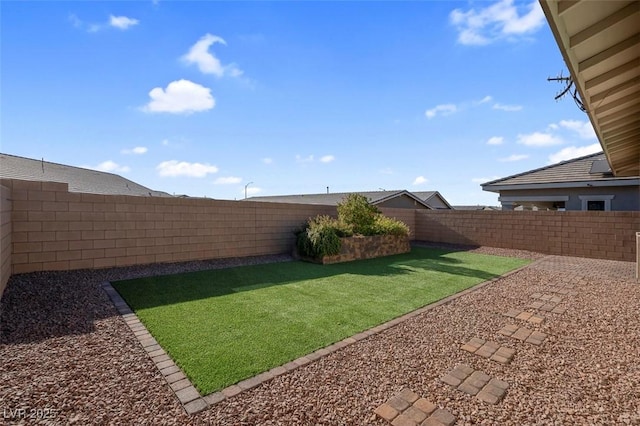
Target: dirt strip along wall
601,235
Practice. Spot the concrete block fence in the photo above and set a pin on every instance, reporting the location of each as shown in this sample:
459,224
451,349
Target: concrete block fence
595,234
46,227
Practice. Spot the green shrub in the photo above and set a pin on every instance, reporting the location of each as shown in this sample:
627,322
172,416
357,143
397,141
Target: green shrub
356,212
320,237
390,226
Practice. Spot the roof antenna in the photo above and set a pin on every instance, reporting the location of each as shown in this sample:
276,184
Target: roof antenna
42,164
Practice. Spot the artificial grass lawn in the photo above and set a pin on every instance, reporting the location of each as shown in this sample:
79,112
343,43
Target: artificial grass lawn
222,326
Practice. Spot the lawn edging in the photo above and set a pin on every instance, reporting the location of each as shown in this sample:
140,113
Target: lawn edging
188,395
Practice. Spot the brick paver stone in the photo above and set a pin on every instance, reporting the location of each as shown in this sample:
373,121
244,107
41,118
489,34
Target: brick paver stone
451,380
473,345
408,395
535,319
559,310
508,329
415,414
478,379
524,316
468,388
503,355
548,307
195,406
536,305
521,334
403,420
536,338
399,403
187,394
426,406
512,313
491,350
483,387
386,411
487,349
399,412
444,417
462,371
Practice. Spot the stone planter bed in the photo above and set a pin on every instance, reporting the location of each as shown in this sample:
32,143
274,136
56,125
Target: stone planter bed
361,247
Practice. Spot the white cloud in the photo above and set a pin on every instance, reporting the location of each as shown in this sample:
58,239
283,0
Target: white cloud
508,108
227,180
495,140
75,21
267,160
574,152
301,159
122,22
485,100
206,61
137,150
583,128
513,157
109,166
174,168
484,179
501,20
327,159
443,109
119,22
539,139
420,180
165,142
387,171
180,97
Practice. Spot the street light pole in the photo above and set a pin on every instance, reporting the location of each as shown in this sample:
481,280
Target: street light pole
245,190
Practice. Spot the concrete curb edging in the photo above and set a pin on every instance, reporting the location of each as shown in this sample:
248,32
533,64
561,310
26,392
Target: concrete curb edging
187,393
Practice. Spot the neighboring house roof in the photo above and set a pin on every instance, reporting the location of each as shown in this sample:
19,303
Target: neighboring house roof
474,208
332,199
79,179
592,169
426,196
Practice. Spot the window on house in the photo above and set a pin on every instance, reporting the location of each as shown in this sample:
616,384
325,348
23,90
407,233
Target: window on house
595,205
596,202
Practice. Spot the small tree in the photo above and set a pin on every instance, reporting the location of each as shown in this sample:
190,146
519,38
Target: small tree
356,211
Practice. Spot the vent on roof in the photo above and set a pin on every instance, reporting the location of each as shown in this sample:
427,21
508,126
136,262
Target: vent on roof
599,166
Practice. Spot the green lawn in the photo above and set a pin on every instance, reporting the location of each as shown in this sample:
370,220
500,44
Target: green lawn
222,326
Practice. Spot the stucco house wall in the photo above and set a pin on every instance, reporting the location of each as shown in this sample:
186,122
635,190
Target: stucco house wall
625,198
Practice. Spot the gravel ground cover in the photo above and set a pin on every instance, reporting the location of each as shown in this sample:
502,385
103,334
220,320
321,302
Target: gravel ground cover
63,348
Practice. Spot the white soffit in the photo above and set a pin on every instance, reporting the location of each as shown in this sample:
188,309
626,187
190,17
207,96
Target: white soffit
600,43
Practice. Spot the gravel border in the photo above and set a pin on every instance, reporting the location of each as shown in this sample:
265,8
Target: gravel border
67,350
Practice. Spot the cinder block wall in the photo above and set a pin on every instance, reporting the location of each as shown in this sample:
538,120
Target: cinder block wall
54,229
602,235
404,215
5,236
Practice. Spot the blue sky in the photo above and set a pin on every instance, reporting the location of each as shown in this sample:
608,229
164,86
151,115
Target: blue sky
203,98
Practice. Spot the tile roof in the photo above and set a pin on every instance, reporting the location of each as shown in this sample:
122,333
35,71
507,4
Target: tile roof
332,199
478,207
427,195
575,170
79,179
